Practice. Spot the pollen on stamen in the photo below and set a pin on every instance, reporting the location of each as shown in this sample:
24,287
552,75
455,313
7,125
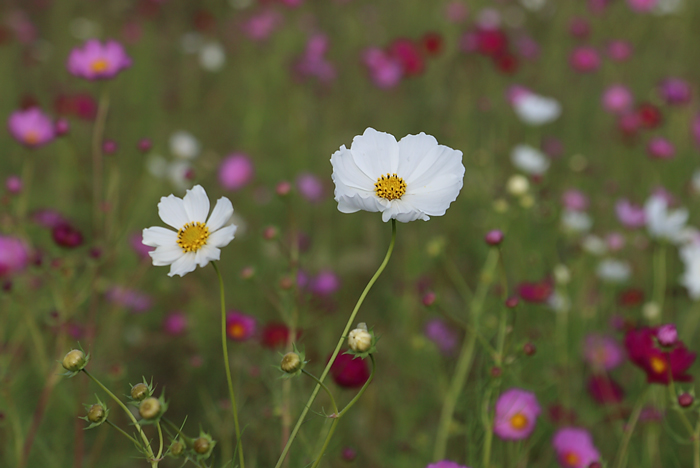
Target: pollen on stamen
390,187
99,65
193,236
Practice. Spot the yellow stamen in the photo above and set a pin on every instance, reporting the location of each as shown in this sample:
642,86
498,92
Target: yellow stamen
571,459
236,330
519,421
99,65
31,137
390,187
658,365
193,236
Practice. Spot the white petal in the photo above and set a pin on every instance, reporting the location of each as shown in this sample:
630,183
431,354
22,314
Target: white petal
183,265
166,254
375,153
196,204
435,202
222,237
206,254
171,210
403,212
156,236
417,153
347,173
223,210
448,162
351,204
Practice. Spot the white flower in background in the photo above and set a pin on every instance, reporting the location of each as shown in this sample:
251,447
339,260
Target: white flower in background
576,221
690,255
695,181
517,185
179,174
562,275
197,240
191,42
559,302
533,5
533,109
412,179
594,245
212,56
529,160
663,223
666,7
184,145
613,271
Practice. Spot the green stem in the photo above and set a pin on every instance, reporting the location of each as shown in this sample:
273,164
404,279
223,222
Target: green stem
188,440
228,368
136,442
147,445
629,429
465,360
160,440
330,395
340,343
340,414
660,276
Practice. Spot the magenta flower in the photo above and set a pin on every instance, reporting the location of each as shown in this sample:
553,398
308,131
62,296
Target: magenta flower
175,323
602,352
660,364
604,389
675,91
385,70
661,148
619,51
137,245
667,335
574,447
585,59
96,61
446,464
349,372
262,25
239,326
236,171
575,200
14,256
31,127
310,187
617,99
325,283
444,336
313,62
516,414
629,214
13,184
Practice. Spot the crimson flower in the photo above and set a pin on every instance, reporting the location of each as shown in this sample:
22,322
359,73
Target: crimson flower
660,364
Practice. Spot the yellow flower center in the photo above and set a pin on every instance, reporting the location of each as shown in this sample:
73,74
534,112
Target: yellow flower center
236,330
571,459
390,187
192,236
519,421
99,65
31,137
658,365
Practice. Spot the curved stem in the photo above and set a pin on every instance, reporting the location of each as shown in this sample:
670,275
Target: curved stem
634,417
362,390
136,442
340,343
228,368
160,440
335,407
136,424
696,446
465,360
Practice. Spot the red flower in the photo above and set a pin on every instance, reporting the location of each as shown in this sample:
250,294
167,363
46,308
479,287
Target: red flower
408,54
658,364
535,292
348,372
649,115
604,389
491,41
275,335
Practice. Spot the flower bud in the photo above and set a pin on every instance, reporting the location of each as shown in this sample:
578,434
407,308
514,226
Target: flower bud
149,408
270,233
512,302
177,449
429,298
494,237
140,391
74,361
685,400
360,340
529,349
283,188
96,413
201,445
496,371
667,335
291,362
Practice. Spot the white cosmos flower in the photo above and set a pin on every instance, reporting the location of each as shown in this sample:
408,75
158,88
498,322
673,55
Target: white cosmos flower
536,110
690,255
412,179
529,160
197,240
184,145
663,223
614,271
212,56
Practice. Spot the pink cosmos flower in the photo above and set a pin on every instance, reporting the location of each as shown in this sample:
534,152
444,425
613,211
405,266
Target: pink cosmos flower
239,326
629,214
667,335
661,148
13,184
615,241
175,323
602,352
236,171
95,61
444,336
456,12
137,245
516,414
260,26
579,27
384,69
527,47
313,62
14,256
642,6
617,99
584,59
325,283
310,187
446,464
675,91
575,200
31,127
574,447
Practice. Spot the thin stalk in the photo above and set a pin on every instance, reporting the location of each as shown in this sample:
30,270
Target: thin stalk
660,276
464,361
340,414
147,444
136,442
224,346
634,417
160,440
340,343
335,407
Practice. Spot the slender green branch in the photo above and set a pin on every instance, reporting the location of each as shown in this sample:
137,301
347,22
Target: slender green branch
97,135
224,346
318,382
136,442
160,440
334,424
340,343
